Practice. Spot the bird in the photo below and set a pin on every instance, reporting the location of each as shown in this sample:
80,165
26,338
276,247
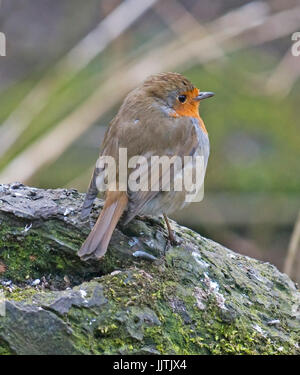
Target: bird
159,117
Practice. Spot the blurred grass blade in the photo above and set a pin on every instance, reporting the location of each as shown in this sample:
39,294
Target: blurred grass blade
293,248
76,59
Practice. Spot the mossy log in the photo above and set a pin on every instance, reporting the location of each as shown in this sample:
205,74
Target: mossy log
144,297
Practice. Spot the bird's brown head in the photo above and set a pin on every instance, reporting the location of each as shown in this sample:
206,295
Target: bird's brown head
174,91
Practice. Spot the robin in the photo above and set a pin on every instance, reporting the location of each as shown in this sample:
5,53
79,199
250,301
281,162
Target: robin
160,117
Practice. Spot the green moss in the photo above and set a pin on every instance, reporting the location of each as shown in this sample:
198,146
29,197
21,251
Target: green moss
99,335
19,294
5,349
198,299
25,256
36,253
190,331
149,309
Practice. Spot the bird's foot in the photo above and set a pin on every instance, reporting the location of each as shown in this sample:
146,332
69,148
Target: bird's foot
172,241
175,240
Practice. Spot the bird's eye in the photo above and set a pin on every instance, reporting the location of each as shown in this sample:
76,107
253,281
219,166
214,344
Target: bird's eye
182,98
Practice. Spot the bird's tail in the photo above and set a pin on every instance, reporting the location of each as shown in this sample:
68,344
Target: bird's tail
96,244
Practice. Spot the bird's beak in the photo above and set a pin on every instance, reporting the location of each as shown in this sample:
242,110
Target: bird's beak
204,95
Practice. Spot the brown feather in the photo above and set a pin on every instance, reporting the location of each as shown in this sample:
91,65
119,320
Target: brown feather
96,244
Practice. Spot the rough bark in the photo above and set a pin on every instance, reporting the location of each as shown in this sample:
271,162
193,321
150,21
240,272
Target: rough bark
196,298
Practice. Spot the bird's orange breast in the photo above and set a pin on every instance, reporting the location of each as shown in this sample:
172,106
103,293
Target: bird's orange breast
190,108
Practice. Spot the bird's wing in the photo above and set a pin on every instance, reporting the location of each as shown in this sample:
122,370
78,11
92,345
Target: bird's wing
177,137
170,137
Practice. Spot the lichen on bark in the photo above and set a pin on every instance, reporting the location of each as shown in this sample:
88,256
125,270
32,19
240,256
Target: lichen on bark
196,298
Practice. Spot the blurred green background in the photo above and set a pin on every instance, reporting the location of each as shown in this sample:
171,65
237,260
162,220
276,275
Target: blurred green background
70,63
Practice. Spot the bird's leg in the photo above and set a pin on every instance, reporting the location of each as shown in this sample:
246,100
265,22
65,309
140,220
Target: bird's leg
172,238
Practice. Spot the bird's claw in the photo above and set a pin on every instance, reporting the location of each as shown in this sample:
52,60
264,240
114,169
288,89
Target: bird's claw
172,241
